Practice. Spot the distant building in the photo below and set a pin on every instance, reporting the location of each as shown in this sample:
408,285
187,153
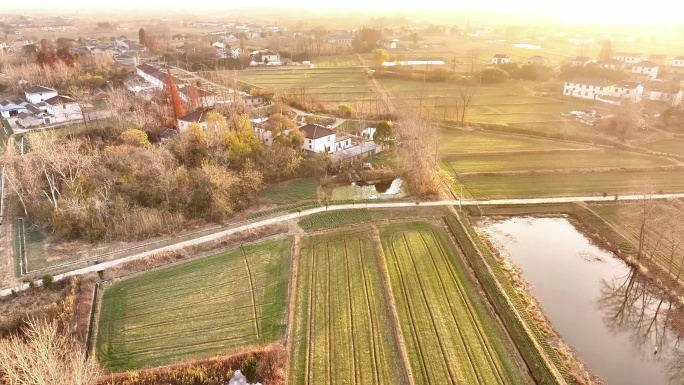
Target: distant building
500,59
39,94
587,88
628,58
318,138
670,94
539,60
199,117
580,61
678,61
629,92
646,67
612,64
126,60
63,109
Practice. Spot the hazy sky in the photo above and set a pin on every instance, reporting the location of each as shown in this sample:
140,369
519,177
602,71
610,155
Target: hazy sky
581,11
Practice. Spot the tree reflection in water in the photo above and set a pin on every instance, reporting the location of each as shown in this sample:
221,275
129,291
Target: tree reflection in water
630,304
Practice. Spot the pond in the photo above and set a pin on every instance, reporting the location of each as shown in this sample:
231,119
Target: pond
388,189
597,303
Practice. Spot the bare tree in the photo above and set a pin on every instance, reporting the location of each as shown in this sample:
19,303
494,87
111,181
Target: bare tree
45,356
467,93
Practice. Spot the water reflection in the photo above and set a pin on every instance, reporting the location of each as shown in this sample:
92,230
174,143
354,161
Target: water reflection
598,304
387,189
633,305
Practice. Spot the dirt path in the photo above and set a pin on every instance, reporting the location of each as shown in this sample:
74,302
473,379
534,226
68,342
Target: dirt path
379,88
292,297
375,234
317,210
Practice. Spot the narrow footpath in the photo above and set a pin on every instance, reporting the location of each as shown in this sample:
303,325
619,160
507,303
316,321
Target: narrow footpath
291,216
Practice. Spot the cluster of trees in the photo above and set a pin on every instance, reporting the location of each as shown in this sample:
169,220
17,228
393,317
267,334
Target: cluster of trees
115,184
148,40
536,72
591,70
366,39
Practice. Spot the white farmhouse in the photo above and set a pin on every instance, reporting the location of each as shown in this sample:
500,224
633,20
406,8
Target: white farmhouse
11,108
500,59
318,138
39,94
628,58
668,94
152,75
199,117
678,61
612,64
63,109
629,92
587,88
646,67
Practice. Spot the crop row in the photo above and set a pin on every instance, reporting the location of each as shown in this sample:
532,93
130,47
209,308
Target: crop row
439,314
512,312
340,333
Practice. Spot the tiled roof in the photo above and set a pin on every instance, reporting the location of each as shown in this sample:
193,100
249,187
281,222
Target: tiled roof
592,82
195,117
316,131
59,99
39,89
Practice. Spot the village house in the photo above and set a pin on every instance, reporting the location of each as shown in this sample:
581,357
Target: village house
670,94
39,94
580,61
387,44
539,60
263,129
153,75
612,64
637,77
199,117
500,59
204,98
646,67
341,39
63,109
265,57
629,92
678,61
126,60
318,138
628,58
9,108
587,88
253,100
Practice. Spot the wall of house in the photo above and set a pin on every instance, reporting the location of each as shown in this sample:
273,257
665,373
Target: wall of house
65,112
184,125
652,72
325,144
40,97
584,91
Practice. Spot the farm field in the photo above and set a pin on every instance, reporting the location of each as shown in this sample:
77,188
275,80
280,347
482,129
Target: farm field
200,308
455,141
448,333
339,218
665,224
343,332
670,146
327,85
290,192
561,184
336,61
553,160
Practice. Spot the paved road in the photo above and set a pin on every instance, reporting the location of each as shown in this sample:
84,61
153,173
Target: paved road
286,217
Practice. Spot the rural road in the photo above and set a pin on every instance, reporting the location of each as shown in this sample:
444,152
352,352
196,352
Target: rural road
289,216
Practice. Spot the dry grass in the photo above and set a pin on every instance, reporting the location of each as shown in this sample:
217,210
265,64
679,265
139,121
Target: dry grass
144,223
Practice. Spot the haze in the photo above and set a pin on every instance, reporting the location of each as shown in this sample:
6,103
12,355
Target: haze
575,12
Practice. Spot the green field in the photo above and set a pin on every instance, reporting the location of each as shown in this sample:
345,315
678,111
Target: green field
454,141
343,332
201,308
555,160
336,61
542,185
323,84
450,337
670,146
289,192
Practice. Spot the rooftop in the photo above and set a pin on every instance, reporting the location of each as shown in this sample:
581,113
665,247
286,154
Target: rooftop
646,64
592,82
39,89
194,117
316,131
59,99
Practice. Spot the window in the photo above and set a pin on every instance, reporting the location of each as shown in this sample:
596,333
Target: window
64,106
309,146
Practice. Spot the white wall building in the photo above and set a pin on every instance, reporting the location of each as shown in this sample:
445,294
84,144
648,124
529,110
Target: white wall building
673,97
587,88
630,92
63,109
318,138
612,64
199,117
628,58
678,61
39,94
500,59
646,67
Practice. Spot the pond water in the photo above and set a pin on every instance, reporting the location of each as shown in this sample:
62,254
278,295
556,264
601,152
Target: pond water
392,188
597,303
